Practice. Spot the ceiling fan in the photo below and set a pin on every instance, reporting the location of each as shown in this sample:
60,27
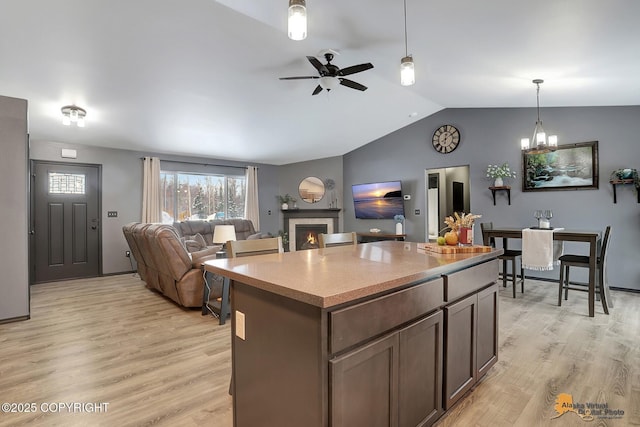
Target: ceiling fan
330,75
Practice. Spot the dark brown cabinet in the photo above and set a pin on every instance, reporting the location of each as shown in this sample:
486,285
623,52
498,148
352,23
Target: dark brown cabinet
397,379
471,344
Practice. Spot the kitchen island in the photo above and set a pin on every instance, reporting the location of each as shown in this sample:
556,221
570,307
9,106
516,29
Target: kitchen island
374,334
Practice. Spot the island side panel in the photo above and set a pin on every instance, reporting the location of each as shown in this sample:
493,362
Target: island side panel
280,368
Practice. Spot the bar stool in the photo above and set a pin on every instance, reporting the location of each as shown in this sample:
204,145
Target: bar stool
509,255
584,261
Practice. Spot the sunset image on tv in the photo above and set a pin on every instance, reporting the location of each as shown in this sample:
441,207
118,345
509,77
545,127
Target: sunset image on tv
380,200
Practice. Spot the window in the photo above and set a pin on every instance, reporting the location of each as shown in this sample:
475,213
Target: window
201,196
66,183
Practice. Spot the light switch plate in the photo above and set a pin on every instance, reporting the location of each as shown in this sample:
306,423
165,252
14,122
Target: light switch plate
240,325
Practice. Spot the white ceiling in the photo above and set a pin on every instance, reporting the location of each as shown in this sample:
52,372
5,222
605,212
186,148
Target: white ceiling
200,77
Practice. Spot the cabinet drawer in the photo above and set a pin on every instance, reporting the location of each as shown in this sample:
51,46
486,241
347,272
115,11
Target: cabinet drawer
457,285
357,323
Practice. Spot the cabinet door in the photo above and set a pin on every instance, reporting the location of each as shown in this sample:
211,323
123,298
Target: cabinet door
420,387
460,349
487,335
364,385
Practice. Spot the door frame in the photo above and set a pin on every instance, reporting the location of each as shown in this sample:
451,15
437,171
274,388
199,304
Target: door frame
32,203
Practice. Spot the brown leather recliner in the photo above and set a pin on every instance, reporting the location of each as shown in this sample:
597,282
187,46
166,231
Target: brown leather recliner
167,266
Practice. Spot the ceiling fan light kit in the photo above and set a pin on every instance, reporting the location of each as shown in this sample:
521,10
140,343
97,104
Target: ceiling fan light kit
73,114
539,143
297,21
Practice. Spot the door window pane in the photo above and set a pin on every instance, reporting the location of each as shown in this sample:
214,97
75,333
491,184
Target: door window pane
66,183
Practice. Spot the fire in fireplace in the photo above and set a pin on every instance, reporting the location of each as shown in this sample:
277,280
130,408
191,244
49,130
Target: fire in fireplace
307,235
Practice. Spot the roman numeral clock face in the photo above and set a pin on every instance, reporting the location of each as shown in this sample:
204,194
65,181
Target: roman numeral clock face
446,139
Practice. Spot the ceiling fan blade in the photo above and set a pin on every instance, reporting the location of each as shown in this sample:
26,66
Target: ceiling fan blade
318,65
299,77
351,84
355,69
317,90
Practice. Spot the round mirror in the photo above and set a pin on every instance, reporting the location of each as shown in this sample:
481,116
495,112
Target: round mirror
311,189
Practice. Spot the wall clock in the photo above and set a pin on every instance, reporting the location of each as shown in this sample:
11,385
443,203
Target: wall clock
446,139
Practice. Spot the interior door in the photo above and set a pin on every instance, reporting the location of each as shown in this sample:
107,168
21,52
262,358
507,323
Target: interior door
65,232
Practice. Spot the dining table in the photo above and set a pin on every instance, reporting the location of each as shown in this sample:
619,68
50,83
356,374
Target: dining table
593,238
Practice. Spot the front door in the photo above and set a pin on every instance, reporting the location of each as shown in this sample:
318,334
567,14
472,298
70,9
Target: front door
65,231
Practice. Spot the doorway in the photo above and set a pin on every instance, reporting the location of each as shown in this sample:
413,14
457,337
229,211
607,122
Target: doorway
447,191
65,241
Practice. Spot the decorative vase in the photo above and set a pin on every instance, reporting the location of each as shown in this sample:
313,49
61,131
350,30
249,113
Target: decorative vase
285,206
498,182
398,228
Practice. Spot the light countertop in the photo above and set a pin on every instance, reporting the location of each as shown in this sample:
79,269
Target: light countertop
332,276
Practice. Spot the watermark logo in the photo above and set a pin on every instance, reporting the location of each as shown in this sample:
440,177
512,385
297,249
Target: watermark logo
588,411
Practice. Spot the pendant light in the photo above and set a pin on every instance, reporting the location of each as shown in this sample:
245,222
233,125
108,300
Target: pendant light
539,144
407,69
73,114
297,19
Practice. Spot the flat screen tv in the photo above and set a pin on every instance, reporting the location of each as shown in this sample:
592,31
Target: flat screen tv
378,200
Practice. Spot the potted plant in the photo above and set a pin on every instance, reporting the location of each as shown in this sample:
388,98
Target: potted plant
498,173
285,201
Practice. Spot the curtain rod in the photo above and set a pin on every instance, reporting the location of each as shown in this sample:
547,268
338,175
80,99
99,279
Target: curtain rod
200,163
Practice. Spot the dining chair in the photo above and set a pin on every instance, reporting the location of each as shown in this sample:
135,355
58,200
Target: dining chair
509,255
584,261
337,239
241,248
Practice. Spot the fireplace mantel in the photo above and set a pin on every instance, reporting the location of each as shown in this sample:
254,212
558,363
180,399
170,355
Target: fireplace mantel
289,214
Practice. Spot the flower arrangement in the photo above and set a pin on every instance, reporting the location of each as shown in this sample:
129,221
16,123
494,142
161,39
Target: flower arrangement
503,171
466,220
398,218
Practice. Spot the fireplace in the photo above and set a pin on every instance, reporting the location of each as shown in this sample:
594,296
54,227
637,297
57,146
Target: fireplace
307,235
314,220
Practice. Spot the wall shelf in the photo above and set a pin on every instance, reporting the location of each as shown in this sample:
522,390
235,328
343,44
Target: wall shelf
506,188
616,182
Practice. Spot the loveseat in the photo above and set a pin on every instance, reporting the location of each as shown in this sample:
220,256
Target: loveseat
190,229
165,265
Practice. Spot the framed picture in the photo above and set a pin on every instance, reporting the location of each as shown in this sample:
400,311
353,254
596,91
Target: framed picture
569,167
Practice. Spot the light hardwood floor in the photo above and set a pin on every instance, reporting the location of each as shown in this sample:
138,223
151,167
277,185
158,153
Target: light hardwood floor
112,340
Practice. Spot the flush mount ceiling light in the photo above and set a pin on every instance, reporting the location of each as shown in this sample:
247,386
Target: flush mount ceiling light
297,19
539,143
73,114
407,69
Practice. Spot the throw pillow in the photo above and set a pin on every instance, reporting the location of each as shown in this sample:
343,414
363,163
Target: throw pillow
200,239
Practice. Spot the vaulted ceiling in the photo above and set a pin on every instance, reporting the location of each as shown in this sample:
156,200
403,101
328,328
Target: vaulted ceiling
200,77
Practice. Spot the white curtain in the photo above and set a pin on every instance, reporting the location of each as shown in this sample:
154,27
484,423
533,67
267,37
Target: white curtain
151,190
251,205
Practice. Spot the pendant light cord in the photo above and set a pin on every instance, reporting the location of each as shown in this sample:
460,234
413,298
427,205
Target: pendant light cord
538,100
406,49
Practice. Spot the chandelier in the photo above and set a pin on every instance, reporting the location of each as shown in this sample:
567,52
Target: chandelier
539,143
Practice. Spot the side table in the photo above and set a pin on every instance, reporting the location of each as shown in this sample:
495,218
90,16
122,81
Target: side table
222,308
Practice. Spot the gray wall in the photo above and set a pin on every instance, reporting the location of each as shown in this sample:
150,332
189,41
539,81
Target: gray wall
122,191
292,174
14,286
493,136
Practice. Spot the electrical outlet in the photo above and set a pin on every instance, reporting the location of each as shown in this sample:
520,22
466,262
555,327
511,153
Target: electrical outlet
127,254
